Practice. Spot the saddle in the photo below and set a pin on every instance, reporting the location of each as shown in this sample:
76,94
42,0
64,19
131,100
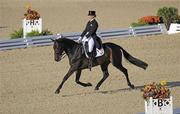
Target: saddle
98,48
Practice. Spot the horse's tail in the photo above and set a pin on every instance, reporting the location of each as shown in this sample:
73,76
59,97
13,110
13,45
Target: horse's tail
116,51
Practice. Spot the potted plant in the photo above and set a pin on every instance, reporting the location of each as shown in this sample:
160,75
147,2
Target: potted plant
157,98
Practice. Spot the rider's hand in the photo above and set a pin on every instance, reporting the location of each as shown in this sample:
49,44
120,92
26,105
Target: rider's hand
79,39
84,39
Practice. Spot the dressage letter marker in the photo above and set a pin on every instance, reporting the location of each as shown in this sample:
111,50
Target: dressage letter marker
31,25
159,106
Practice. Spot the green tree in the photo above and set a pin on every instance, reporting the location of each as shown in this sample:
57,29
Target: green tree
169,15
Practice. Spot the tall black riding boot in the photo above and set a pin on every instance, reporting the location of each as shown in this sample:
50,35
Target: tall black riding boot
90,60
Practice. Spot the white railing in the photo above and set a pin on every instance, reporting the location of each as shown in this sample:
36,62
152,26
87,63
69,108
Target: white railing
105,34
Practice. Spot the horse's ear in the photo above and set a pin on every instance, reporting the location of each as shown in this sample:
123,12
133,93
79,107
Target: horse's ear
59,36
52,40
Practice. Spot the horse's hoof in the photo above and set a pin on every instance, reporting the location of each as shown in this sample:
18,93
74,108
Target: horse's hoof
89,84
132,86
96,88
57,91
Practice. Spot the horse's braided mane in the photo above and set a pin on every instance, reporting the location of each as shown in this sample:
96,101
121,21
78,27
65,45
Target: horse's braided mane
66,41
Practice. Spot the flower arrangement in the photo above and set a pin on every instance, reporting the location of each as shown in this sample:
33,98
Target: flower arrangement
156,91
150,19
147,20
31,14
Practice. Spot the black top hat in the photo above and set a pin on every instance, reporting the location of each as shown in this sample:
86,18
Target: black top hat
92,13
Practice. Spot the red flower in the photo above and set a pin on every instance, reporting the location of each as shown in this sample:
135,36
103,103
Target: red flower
150,19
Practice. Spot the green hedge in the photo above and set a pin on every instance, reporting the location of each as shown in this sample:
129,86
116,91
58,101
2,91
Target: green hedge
167,16
139,24
19,33
37,33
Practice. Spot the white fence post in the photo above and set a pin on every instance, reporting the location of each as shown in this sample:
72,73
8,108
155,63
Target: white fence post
131,30
163,28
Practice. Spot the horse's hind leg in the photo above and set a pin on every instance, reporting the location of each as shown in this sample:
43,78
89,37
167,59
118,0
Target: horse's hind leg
78,74
117,62
104,68
124,70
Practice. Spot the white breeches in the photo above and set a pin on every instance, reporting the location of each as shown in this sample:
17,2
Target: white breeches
90,43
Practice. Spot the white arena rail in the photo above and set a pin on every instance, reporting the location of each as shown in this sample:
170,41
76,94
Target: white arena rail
104,34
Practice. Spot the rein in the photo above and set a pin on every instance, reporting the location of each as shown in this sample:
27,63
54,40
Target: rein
63,55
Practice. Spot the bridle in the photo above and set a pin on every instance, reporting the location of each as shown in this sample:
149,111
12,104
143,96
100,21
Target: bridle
62,56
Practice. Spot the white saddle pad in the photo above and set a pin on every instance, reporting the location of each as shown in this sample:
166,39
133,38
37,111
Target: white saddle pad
99,52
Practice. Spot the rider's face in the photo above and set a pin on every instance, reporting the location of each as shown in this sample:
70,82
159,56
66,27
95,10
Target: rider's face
90,17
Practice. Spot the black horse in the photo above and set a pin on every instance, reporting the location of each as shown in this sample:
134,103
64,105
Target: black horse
78,60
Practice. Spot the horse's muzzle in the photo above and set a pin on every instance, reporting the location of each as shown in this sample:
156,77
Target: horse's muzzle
57,59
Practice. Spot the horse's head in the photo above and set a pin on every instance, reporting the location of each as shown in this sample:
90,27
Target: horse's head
61,46
58,50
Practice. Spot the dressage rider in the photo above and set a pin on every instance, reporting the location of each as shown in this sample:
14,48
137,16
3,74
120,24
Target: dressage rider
89,35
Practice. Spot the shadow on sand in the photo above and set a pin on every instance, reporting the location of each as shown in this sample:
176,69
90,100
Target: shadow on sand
2,27
169,84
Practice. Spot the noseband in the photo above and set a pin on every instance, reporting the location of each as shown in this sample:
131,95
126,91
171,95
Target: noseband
62,56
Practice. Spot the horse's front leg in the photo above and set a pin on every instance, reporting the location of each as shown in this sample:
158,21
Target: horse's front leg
78,74
64,79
